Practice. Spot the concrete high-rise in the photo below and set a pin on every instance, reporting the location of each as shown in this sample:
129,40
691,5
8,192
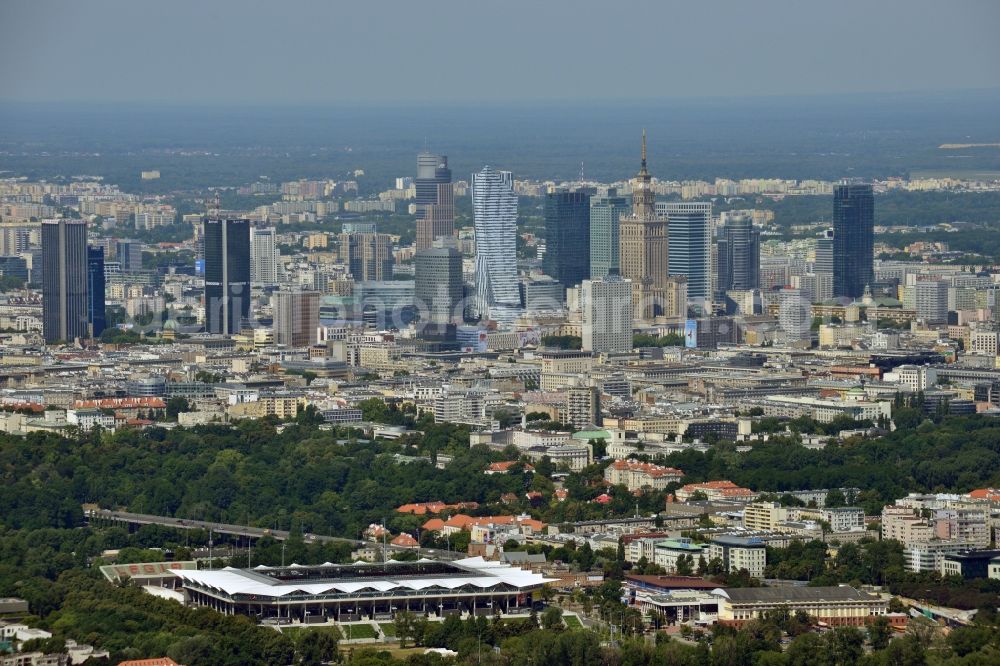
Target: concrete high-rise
932,301
494,207
823,266
794,315
644,250
296,317
263,256
96,307
738,255
567,237
605,217
435,199
227,275
64,280
607,314
368,256
689,225
438,285
853,239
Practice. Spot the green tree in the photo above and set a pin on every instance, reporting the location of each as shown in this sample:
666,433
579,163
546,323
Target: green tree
552,618
879,633
176,405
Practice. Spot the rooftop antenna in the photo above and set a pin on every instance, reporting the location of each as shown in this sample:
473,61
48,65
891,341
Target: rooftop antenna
581,171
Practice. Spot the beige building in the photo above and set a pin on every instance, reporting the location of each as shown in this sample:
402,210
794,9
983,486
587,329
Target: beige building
834,606
283,407
643,249
634,475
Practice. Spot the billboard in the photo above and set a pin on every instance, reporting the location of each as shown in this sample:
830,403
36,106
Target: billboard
691,333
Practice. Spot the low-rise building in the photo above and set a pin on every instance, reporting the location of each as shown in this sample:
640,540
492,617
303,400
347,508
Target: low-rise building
739,554
841,606
716,490
634,475
666,553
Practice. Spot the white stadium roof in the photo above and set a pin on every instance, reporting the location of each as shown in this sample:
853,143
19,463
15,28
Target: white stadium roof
473,571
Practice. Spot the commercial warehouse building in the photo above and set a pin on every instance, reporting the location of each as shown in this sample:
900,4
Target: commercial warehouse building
362,590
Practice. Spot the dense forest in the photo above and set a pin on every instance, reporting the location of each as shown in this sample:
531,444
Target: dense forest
335,482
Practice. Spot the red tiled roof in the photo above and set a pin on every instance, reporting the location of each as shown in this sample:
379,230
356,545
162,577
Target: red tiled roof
506,465
121,403
646,468
405,540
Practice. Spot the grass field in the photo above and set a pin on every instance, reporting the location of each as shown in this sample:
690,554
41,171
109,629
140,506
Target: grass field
333,630
388,628
572,622
353,631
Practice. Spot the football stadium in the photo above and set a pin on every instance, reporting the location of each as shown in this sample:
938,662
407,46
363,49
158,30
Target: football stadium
349,592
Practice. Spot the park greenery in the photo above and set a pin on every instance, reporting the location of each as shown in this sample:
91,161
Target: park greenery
296,476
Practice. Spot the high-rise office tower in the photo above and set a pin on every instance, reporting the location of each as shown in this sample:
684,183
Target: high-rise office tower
644,249
438,285
853,239
932,301
567,237
129,255
690,228
823,266
368,256
435,199
14,240
738,255
64,280
794,314
296,317
227,275
494,207
605,215
263,256
607,314
96,313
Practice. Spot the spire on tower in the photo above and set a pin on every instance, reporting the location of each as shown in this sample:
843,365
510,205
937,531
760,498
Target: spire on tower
643,148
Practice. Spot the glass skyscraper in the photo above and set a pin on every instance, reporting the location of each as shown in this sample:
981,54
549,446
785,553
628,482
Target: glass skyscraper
227,275
567,237
438,285
435,199
494,207
690,232
739,255
605,215
853,239
96,312
64,280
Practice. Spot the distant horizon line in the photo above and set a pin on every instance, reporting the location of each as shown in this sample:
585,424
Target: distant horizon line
499,102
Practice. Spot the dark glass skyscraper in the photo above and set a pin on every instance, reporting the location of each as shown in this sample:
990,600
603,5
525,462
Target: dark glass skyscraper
853,239
567,237
739,256
690,248
95,290
605,215
435,199
227,275
64,280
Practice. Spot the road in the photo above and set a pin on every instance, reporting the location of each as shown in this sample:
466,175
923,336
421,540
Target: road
244,530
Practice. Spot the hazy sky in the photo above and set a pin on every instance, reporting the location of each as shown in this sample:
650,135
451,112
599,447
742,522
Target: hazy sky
320,51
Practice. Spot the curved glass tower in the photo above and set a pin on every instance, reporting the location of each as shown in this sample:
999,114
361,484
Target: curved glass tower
494,207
